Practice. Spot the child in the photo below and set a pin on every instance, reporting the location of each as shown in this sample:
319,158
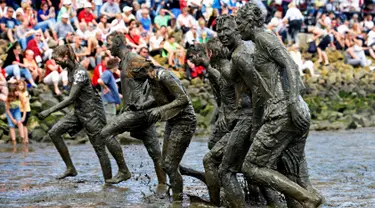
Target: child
3,87
25,107
13,112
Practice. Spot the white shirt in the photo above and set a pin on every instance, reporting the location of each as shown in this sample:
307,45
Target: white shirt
368,24
370,38
189,38
155,41
293,14
197,2
342,29
185,20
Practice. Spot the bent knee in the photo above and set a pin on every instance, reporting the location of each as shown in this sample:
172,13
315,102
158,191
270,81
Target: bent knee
207,159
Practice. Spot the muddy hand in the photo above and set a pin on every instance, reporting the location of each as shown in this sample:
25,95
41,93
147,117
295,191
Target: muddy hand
298,118
154,116
42,115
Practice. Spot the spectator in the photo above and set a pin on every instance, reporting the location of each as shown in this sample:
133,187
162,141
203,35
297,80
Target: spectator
367,24
134,40
63,28
127,16
138,13
95,49
156,42
212,20
110,9
355,54
103,25
24,107
146,20
203,29
191,37
3,88
54,75
82,31
99,4
162,19
342,29
144,52
294,18
14,65
39,46
185,21
68,12
13,113
79,50
110,94
174,52
325,41
45,14
86,14
98,71
24,33
7,25
29,61
118,24
3,8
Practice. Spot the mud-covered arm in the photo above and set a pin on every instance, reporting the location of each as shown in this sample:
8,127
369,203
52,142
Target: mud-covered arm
74,92
176,89
214,78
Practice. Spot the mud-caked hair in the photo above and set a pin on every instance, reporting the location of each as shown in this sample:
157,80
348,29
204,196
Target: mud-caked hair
217,48
138,67
117,38
64,50
252,14
195,49
226,19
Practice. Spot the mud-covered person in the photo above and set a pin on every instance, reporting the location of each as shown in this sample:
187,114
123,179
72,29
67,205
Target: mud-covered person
88,114
173,106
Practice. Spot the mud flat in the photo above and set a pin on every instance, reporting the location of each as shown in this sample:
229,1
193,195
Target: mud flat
341,166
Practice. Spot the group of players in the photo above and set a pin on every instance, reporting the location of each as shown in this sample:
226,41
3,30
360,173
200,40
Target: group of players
261,130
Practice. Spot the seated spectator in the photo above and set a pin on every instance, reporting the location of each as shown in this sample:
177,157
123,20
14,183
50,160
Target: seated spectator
86,14
212,20
54,75
325,39
191,37
185,21
146,20
203,29
156,43
110,9
82,31
134,40
95,49
174,52
3,8
46,14
162,19
367,24
14,65
103,25
40,47
127,15
138,12
29,61
144,52
204,38
64,27
8,25
344,27
370,42
357,31
110,95
78,49
355,54
24,33
69,12
118,24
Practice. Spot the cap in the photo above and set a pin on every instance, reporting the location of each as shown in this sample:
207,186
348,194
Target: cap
87,5
127,9
65,15
67,2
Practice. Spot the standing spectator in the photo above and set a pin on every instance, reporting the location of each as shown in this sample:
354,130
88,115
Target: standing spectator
98,71
325,41
14,65
86,14
24,107
63,28
110,9
99,4
54,75
13,113
110,94
7,25
162,19
294,18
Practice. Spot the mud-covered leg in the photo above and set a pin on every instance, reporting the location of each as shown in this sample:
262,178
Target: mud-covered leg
177,139
211,162
269,142
115,149
105,163
69,123
200,175
151,142
234,154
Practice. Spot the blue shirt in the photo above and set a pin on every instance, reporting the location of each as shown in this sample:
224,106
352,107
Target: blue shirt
109,80
10,23
40,12
146,23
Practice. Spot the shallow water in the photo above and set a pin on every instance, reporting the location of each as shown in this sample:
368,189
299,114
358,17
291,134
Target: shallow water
341,164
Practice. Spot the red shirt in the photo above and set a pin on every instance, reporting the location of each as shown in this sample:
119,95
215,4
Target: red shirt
134,39
87,16
99,69
48,71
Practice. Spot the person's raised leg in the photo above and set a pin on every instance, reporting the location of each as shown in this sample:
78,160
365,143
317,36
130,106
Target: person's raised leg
69,123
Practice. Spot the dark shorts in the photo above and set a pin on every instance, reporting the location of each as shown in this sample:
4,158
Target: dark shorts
26,118
324,43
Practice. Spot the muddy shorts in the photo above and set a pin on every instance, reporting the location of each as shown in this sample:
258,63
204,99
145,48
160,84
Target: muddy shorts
276,136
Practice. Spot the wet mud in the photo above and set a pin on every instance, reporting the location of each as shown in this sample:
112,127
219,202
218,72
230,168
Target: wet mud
341,166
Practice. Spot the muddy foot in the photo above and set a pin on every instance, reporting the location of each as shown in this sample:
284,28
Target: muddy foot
318,201
68,173
162,191
119,178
